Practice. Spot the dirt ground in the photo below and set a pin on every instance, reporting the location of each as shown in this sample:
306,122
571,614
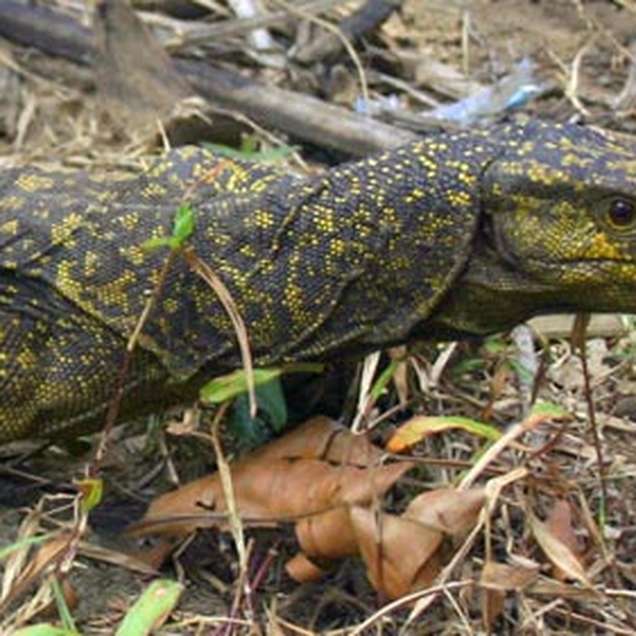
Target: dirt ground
439,51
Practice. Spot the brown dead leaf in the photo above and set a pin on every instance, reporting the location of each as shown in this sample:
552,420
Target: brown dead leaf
559,553
267,492
497,579
147,560
551,589
447,510
304,476
560,525
308,476
284,480
302,569
492,606
505,577
328,535
321,438
400,553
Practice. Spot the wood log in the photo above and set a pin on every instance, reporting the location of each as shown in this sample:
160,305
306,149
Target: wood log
303,117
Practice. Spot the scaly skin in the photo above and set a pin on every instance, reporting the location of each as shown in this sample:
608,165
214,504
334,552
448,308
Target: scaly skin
451,236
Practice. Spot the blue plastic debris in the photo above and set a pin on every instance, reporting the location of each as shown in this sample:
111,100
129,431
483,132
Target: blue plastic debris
511,92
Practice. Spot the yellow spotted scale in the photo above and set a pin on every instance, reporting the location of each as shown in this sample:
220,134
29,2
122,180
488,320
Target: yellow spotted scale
456,234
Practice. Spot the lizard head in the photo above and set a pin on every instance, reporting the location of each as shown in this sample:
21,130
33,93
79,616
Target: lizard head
560,204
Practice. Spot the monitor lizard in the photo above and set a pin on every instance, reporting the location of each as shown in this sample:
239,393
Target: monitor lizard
450,236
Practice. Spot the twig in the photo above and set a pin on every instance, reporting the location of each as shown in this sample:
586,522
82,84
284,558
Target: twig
367,18
337,33
92,469
218,286
233,517
200,35
579,343
571,89
626,100
304,117
407,600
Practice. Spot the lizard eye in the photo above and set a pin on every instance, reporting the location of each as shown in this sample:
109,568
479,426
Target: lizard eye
621,213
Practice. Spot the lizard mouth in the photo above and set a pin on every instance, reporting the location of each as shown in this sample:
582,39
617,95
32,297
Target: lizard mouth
551,269
613,270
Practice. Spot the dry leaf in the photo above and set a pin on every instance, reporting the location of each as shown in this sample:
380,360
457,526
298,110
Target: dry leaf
447,510
400,553
302,569
400,375
321,438
559,524
277,490
329,535
137,82
420,427
497,579
492,606
504,577
280,481
558,552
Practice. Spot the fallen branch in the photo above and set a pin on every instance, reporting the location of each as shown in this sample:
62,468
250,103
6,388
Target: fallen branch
301,116
366,19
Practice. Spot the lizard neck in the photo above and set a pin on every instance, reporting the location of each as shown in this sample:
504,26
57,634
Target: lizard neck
490,296
348,261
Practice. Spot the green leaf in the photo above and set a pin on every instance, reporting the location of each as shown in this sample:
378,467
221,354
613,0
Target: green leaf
468,365
249,144
272,414
151,609
248,432
550,410
523,373
92,491
183,224
44,629
271,402
474,427
421,426
154,243
62,607
494,345
385,377
226,387
182,230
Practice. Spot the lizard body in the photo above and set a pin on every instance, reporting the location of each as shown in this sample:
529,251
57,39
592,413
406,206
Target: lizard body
452,235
